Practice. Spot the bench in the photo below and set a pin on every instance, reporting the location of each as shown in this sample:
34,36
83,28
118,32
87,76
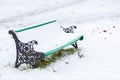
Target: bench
50,37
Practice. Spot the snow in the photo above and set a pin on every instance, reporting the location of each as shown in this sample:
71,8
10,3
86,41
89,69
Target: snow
97,20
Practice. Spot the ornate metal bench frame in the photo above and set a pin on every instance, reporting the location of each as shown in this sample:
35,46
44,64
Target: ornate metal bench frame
26,53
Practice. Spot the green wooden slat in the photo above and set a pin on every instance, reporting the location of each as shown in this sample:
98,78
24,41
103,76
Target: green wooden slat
31,27
63,46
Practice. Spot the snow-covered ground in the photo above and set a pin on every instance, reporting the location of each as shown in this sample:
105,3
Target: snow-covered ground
97,20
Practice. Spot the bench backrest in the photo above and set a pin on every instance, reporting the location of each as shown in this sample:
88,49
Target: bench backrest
42,34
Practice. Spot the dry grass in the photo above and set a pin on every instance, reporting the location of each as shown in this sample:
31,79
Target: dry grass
56,56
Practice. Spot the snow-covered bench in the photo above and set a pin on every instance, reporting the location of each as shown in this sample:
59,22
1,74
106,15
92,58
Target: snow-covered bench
49,35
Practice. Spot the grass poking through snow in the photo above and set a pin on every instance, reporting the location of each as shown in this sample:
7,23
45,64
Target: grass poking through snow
56,56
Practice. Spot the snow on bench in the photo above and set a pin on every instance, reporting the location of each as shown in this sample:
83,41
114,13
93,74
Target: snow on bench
49,37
